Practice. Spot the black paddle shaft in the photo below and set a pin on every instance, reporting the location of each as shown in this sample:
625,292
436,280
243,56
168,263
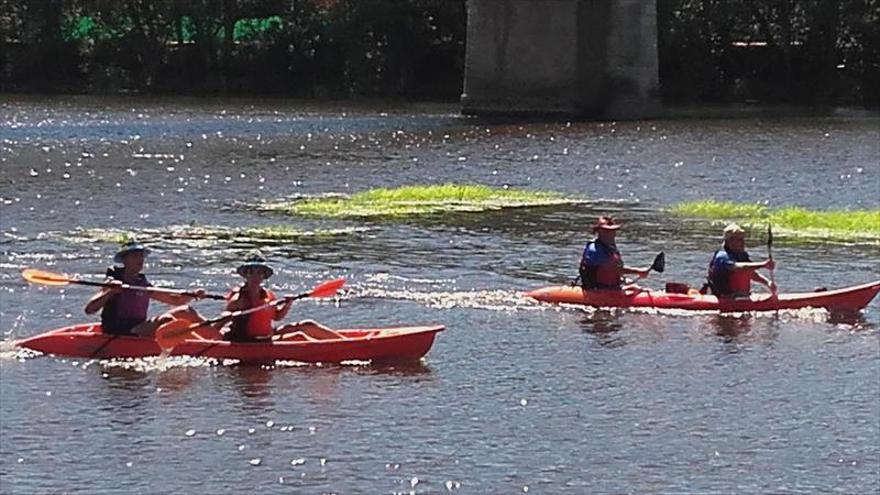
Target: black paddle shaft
217,297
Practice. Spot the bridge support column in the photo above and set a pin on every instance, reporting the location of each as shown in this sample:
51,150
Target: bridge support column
588,58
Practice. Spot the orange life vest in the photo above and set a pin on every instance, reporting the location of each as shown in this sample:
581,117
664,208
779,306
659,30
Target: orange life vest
255,325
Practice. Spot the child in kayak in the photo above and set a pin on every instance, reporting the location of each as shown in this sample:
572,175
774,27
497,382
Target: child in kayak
124,311
257,326
601,265
732,271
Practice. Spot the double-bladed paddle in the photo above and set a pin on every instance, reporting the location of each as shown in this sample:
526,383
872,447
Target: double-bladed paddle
49,278
176,332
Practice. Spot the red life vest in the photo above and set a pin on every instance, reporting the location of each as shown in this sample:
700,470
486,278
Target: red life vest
610,272
608,275
730,282
740,282
255,325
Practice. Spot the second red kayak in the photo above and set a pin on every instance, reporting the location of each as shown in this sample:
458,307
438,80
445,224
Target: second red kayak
382,344
849,299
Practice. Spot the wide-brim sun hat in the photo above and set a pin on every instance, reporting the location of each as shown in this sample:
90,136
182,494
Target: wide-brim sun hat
605,223
255,261
130,247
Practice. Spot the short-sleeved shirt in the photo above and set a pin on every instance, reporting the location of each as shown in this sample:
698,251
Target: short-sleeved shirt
724,260
596,254
721,273
599,268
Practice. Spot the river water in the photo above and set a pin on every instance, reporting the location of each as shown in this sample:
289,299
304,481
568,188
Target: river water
515,396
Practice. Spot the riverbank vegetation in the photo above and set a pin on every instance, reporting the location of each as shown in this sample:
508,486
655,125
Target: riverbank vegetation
793,51
790,221
416,200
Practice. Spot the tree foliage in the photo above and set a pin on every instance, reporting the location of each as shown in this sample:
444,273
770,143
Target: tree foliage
803,51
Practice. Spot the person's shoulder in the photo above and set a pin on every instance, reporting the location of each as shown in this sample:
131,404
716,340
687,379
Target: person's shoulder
721,255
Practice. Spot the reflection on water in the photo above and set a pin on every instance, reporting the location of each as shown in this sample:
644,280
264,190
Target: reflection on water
125,400
729,327
407,369
602,322
252,385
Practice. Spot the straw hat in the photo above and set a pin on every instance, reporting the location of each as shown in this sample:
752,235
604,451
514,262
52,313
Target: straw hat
733,230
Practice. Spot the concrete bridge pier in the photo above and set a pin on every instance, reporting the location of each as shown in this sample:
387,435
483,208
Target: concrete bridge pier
586,58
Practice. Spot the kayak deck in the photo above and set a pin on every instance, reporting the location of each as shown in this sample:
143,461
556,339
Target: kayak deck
848,299
378,344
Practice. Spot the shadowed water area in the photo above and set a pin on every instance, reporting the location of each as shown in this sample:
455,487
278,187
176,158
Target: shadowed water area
515,396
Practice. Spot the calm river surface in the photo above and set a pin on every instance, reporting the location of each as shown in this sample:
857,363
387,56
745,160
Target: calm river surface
514,396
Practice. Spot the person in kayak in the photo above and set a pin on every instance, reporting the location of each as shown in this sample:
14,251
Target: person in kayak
731,271
601,264
124,312
258,326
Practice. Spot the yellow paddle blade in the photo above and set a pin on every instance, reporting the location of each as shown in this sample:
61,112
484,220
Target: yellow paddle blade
43,277
174,333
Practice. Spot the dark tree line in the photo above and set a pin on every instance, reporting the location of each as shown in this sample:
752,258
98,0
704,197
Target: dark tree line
809,51
293,47
799,51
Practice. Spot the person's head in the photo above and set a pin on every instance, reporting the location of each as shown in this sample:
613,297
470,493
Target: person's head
606,228
734,238
255,270
131,256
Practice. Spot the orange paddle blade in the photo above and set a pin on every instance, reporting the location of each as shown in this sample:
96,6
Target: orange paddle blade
327,289
44,277
174,333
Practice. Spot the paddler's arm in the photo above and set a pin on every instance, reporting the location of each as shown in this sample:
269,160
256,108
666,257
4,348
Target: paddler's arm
639,272
234,303
176,299
282,309
753,265
102,297
757,277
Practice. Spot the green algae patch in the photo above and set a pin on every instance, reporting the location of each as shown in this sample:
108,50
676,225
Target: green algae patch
207,236
716,210
418,200
840,225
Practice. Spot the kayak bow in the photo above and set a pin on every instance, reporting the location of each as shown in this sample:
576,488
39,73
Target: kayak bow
849,299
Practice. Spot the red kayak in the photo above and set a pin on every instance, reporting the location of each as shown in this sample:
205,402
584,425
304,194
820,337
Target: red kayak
382,344
849,299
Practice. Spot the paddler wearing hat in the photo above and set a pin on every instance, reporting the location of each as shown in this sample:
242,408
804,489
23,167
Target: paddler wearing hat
732,271
124,312
601,264
258,326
